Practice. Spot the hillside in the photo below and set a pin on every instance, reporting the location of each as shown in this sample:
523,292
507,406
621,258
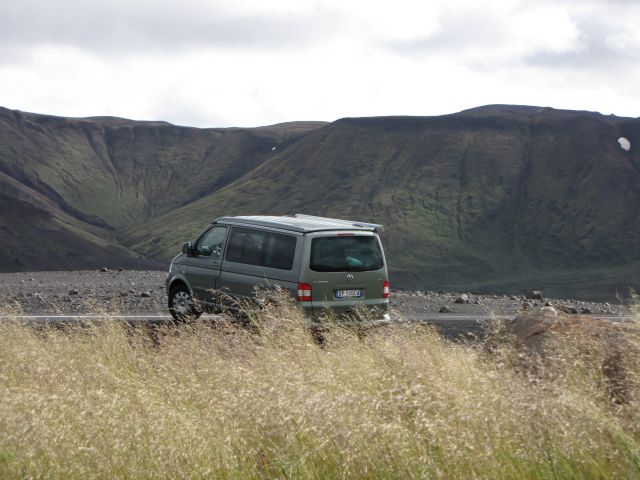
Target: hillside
496,198
68,186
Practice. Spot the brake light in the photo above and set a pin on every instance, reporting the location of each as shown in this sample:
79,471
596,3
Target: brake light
385,289
304,292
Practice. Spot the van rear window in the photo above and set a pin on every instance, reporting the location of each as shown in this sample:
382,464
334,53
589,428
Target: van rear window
346,254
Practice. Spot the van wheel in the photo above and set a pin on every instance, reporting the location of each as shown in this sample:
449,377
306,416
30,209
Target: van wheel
182,305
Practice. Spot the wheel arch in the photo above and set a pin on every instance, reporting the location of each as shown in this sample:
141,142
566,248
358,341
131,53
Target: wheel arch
180,281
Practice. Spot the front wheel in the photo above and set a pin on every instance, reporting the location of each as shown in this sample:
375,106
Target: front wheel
182,305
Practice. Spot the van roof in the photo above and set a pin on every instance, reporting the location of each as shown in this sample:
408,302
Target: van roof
301,223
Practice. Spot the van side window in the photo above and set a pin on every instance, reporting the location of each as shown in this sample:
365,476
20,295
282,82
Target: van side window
271,250
279,251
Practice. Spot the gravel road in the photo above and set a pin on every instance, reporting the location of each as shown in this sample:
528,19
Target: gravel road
143,292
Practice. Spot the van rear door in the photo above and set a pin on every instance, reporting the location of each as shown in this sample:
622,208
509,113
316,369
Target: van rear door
345,269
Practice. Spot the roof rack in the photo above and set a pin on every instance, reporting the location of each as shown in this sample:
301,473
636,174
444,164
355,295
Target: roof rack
376,227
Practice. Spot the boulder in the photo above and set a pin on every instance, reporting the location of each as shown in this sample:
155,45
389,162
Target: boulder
543,339
464,298
535,295
445,309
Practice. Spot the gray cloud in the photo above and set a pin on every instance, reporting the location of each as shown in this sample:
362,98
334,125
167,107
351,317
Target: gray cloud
596,53
160,25
457,32
478,30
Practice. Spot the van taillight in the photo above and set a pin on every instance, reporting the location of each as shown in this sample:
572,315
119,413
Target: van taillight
385,289
304,292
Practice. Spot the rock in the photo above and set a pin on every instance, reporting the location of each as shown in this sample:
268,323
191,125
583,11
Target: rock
73,291
568,309
477,301
445,309
585,310
513,297
527,306
548,304
66,299
103,269
464,298
121,269
549,311
535,295
145,294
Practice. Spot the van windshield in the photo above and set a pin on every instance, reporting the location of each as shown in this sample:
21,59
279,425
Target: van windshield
346,254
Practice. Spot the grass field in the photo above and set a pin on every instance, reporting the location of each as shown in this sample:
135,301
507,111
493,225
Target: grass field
205,401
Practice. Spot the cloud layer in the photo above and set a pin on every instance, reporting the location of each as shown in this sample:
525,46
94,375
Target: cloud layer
250,62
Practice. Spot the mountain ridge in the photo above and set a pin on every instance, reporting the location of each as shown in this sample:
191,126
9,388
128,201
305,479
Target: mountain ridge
488,197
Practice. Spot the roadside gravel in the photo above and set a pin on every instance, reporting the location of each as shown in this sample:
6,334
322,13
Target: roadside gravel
135,291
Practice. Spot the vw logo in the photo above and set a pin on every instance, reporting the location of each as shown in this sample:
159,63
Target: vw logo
350,277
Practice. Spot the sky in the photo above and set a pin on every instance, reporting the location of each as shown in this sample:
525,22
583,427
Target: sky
221,63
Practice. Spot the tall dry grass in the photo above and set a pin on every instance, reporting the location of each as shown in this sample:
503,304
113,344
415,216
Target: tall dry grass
218,401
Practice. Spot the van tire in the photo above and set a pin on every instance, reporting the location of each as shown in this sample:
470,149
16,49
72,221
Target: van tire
182,305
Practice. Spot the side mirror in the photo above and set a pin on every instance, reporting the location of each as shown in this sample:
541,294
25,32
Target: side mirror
187,248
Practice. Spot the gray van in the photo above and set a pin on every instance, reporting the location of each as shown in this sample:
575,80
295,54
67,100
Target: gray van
326,264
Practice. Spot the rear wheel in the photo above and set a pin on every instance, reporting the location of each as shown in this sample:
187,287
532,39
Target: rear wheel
181,304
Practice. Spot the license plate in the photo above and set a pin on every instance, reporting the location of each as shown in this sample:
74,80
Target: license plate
349,293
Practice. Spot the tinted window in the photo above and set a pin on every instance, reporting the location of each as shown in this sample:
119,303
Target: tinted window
346,254
211,243
272,250
279,251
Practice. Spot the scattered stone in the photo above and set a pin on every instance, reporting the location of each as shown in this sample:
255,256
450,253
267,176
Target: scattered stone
464,298
527,306
513,297
535,295
445,309
121,269
570,309
585,310
477,301
145,294
549,311
548,304
73,291
124,294
66,299
104,269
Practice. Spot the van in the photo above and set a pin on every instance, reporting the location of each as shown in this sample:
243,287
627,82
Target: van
326,264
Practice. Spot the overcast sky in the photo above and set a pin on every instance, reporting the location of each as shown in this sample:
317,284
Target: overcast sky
213,63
